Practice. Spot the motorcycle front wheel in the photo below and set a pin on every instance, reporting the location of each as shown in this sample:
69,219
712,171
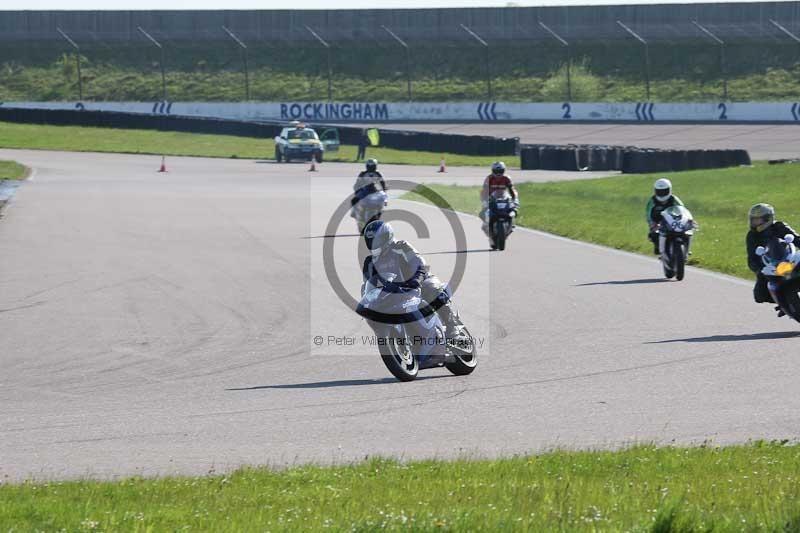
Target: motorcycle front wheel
398,357
790,298
499,235
679,260
668,272
666,261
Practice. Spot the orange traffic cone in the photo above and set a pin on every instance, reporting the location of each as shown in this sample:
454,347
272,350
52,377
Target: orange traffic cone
313,164
163,165
442,165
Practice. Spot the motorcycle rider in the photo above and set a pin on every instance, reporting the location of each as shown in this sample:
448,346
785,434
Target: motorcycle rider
661,200
495,185
389,256
367,182
763,228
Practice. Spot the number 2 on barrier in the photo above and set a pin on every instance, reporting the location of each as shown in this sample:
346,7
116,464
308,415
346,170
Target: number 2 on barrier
723,108
567,110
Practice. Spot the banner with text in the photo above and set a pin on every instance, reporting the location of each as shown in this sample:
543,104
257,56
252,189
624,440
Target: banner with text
354,112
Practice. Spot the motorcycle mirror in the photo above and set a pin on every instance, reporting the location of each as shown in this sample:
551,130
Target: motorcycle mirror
788,239
760,251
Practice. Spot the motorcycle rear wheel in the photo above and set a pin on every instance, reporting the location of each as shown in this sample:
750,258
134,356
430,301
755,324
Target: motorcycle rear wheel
466,359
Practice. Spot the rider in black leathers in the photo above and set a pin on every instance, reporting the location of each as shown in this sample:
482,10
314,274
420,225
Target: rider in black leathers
367,182
763,228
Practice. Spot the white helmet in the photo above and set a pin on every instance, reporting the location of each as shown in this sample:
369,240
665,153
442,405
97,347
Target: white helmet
377,235
498,168
663,190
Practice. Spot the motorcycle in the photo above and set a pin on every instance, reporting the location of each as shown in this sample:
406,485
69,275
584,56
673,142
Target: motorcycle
782,270
675,235
499,220
369,208
409,333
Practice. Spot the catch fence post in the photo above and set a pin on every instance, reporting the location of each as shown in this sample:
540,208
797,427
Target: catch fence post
488,60
244,58
565,44
328,52
163,71
646,56
722,65
77,60
408,58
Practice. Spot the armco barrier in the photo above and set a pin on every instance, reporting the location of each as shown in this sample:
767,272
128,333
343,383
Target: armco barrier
629,160
109,119
403,140
787,112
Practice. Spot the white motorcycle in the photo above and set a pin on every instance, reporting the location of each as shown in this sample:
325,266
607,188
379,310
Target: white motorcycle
675,237
410,335
369,208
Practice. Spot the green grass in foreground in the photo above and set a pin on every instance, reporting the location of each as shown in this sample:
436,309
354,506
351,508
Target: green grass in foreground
80,139
743,488
10,170
610,211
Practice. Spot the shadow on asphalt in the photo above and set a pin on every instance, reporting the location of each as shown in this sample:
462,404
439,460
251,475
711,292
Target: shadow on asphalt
332,236
625,282
736,338
479,250
328,384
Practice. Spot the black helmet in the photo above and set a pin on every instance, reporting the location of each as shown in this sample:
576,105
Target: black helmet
372,165
761,217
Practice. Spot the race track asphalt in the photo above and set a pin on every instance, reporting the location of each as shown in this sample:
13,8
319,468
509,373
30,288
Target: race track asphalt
157,324
763,141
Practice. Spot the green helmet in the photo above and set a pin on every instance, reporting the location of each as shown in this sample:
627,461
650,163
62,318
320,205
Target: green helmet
761,216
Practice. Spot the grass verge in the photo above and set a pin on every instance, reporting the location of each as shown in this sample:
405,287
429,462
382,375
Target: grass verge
81,139
11,170
741,488
611,211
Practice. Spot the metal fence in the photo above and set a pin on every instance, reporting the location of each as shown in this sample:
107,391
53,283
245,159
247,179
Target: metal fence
664,21
646,42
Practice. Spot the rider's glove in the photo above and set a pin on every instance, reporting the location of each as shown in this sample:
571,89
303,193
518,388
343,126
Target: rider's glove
390,286
413,283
